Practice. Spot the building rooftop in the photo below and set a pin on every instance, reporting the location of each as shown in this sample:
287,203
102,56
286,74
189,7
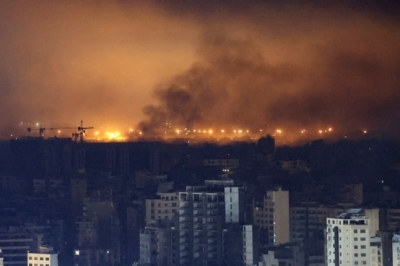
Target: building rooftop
353,214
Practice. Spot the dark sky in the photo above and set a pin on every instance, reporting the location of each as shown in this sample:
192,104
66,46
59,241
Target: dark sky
211,64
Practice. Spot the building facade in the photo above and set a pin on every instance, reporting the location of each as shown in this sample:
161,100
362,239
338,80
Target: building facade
349,241
46,257
271,215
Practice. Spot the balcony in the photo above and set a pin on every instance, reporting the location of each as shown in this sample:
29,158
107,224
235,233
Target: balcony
212,249
197,205
198,241
183,241
183,204
184,255
184,248
212,213
198,227
212,234
212,206
184,226
212,227
183,234
198,212
198,234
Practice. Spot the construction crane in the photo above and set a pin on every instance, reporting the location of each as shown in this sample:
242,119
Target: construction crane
81,132
40,129
75,135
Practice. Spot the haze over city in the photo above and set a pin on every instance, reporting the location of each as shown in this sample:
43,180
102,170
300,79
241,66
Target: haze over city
213,66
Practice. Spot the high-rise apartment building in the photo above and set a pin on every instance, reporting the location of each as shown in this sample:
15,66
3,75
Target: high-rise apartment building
396,249
207,229
200,223
349,241
272,216
163,207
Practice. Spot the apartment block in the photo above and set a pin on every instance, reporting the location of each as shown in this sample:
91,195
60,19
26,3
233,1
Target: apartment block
349,241
271,215
164,207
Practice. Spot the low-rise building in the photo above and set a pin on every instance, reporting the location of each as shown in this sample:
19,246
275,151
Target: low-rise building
46,257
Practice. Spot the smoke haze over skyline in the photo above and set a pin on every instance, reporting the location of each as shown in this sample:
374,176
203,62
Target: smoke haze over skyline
215,64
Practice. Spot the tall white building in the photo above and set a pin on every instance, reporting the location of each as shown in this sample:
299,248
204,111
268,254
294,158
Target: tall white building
45,257
396,249
272,216
234,204
349,241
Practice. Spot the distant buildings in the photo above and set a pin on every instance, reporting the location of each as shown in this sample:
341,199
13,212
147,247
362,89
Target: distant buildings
309,220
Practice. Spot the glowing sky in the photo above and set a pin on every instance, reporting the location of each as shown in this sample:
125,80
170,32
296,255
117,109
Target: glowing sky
200,63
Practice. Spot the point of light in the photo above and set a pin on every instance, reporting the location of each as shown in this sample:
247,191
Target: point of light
222,131
210,131
278,131
330,129
365,132
59,131
320,131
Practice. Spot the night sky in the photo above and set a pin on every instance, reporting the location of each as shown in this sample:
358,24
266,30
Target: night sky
291,65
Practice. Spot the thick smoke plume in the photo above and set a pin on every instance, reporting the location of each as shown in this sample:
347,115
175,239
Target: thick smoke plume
316,69
201,64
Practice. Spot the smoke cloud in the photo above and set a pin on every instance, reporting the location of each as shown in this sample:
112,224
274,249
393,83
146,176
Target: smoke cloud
200,64
288,68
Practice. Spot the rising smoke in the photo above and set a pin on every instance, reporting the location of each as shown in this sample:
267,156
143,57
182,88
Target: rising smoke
316,69
200,64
